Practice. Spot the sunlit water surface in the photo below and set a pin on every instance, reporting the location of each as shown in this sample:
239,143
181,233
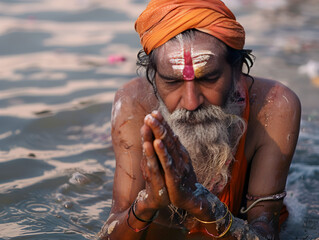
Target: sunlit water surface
58,76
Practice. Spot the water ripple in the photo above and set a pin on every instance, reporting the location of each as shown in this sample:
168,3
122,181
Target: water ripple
35,209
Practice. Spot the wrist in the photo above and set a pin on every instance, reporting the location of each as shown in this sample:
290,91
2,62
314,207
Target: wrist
206,206
143,210
138,221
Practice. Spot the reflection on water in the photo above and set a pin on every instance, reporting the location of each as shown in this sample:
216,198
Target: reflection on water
61,63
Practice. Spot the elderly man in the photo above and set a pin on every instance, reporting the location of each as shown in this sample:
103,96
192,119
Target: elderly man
203,151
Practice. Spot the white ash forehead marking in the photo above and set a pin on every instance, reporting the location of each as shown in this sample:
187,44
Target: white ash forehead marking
199,58
201,53
177,58
177,61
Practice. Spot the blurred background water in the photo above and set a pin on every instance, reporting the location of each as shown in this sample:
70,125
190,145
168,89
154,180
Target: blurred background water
60,65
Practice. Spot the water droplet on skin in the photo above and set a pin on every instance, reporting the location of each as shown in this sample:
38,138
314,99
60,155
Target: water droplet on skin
285,98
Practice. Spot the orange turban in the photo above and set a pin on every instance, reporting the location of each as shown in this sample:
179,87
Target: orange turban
164,19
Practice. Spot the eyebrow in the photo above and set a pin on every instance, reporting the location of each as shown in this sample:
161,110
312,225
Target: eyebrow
170,77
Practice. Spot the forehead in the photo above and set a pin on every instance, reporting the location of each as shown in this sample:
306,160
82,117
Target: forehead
199,42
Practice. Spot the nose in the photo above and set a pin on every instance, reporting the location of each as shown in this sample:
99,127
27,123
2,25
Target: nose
192,96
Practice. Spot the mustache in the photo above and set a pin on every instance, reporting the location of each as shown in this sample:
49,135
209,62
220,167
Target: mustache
202,115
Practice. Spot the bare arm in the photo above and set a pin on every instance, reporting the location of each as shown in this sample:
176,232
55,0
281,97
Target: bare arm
276,129
127,119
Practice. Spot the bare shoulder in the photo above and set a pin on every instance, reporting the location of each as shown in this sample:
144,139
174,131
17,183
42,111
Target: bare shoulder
132,102
275,115
134,99
272,135
268,95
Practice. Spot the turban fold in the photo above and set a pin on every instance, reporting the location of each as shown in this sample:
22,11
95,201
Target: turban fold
164,19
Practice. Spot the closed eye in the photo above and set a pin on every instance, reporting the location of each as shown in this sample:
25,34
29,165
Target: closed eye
172,81
169,79
210,78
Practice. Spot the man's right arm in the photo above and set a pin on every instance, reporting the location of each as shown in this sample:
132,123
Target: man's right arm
127,118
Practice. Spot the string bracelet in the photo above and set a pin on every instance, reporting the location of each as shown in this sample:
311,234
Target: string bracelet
258,199
134,229
133,207
225,231
142,220
214,221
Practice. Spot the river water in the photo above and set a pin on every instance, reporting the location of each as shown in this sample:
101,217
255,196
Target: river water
60,65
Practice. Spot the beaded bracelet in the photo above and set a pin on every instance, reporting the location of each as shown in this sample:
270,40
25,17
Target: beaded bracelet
215,221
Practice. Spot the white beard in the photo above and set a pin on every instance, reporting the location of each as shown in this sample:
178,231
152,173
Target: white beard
210,134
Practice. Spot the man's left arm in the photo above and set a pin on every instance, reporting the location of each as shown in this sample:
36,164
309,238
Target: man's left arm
277,139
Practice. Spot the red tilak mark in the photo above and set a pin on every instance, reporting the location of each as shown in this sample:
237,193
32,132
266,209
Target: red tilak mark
188,71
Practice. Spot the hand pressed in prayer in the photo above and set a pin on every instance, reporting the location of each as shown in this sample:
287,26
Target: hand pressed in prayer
157,196
170,162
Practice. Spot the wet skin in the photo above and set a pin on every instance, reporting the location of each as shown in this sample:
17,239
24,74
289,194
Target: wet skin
165,166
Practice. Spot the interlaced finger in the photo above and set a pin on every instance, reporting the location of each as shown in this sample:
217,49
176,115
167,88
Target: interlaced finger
151,158
164,157
146,134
